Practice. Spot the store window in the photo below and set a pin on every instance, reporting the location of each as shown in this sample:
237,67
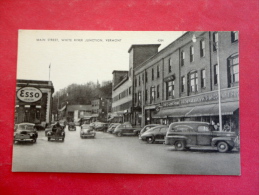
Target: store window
215,41
152,94
182,84
182,58
202,48
193,82
191,54
203,78
234,36
233,66
169,89
169,65
215,74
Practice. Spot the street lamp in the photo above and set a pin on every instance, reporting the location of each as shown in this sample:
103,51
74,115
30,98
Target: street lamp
194,39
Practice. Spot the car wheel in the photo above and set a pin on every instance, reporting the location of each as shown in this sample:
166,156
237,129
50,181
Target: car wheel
34,140
179,145
63,139
150,140
48,138
222,147
119,134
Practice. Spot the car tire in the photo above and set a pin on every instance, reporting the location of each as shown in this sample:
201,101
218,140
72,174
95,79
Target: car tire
63,139
119,134
179,145
34,140
150,140
48,138
222,147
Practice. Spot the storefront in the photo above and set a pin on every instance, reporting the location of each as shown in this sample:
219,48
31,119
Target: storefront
33,101
203,107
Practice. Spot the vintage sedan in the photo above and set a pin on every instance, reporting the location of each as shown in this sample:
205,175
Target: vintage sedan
184,135
112,127
87,131
147,127
55,132
125,129
71,126
154,134
25,132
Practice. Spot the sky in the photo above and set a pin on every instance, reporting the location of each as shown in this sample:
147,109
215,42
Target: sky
67,57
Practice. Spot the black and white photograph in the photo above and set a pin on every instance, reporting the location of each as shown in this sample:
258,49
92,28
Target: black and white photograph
130,102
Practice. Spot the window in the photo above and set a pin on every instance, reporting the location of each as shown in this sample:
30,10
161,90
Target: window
215,74
169,89
183,83
193,81
234,36
143,78
146,93
139,97
139,80
152,94
203,78
182,58
146,77
203,129
136,81
169,65
202,48
158,71
233,63
191,54
215,41
136,97
157,91
152,76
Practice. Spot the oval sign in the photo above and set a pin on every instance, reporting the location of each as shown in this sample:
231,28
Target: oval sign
29,94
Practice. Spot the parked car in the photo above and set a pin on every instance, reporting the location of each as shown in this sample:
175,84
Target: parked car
147,127
154,134
71,126
112,127
55,132
125,129
184,135
101,126
87,131
25,132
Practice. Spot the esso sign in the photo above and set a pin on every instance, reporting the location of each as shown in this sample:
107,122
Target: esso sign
29,94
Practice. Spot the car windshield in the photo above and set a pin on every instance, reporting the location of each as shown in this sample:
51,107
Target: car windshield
26,127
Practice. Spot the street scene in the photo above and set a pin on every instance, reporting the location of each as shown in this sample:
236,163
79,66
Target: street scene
107,153
127,102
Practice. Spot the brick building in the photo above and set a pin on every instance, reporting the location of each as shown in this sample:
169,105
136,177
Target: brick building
180,82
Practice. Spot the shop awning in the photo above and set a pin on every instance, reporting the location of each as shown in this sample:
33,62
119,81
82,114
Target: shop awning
173,112
227,108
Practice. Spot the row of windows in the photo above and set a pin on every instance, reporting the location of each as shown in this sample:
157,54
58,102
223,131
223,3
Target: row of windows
123,94
192,82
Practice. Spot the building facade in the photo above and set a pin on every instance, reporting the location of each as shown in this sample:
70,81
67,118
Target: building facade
100,109
33,101
180,82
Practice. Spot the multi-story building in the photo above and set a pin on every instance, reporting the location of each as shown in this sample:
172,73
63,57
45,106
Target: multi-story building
100,109
33,101
122,94
181,81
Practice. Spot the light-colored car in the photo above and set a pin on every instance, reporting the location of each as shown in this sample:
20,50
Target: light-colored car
25,132
154,134
87,131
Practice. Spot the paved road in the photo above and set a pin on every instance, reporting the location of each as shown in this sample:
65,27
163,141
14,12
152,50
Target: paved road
110,154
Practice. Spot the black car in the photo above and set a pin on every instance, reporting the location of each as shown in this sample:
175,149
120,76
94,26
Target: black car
25,132
71,126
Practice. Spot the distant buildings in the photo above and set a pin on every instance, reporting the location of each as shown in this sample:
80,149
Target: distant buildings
180,82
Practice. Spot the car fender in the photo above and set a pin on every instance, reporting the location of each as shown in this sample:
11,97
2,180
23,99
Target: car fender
170,140
228,140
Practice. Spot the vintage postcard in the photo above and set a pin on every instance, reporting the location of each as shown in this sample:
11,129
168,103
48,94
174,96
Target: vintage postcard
138,102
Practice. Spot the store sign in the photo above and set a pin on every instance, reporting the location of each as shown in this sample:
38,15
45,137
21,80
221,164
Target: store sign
226,95
29,94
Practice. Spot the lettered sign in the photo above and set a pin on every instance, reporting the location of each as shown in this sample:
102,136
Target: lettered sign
29,94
